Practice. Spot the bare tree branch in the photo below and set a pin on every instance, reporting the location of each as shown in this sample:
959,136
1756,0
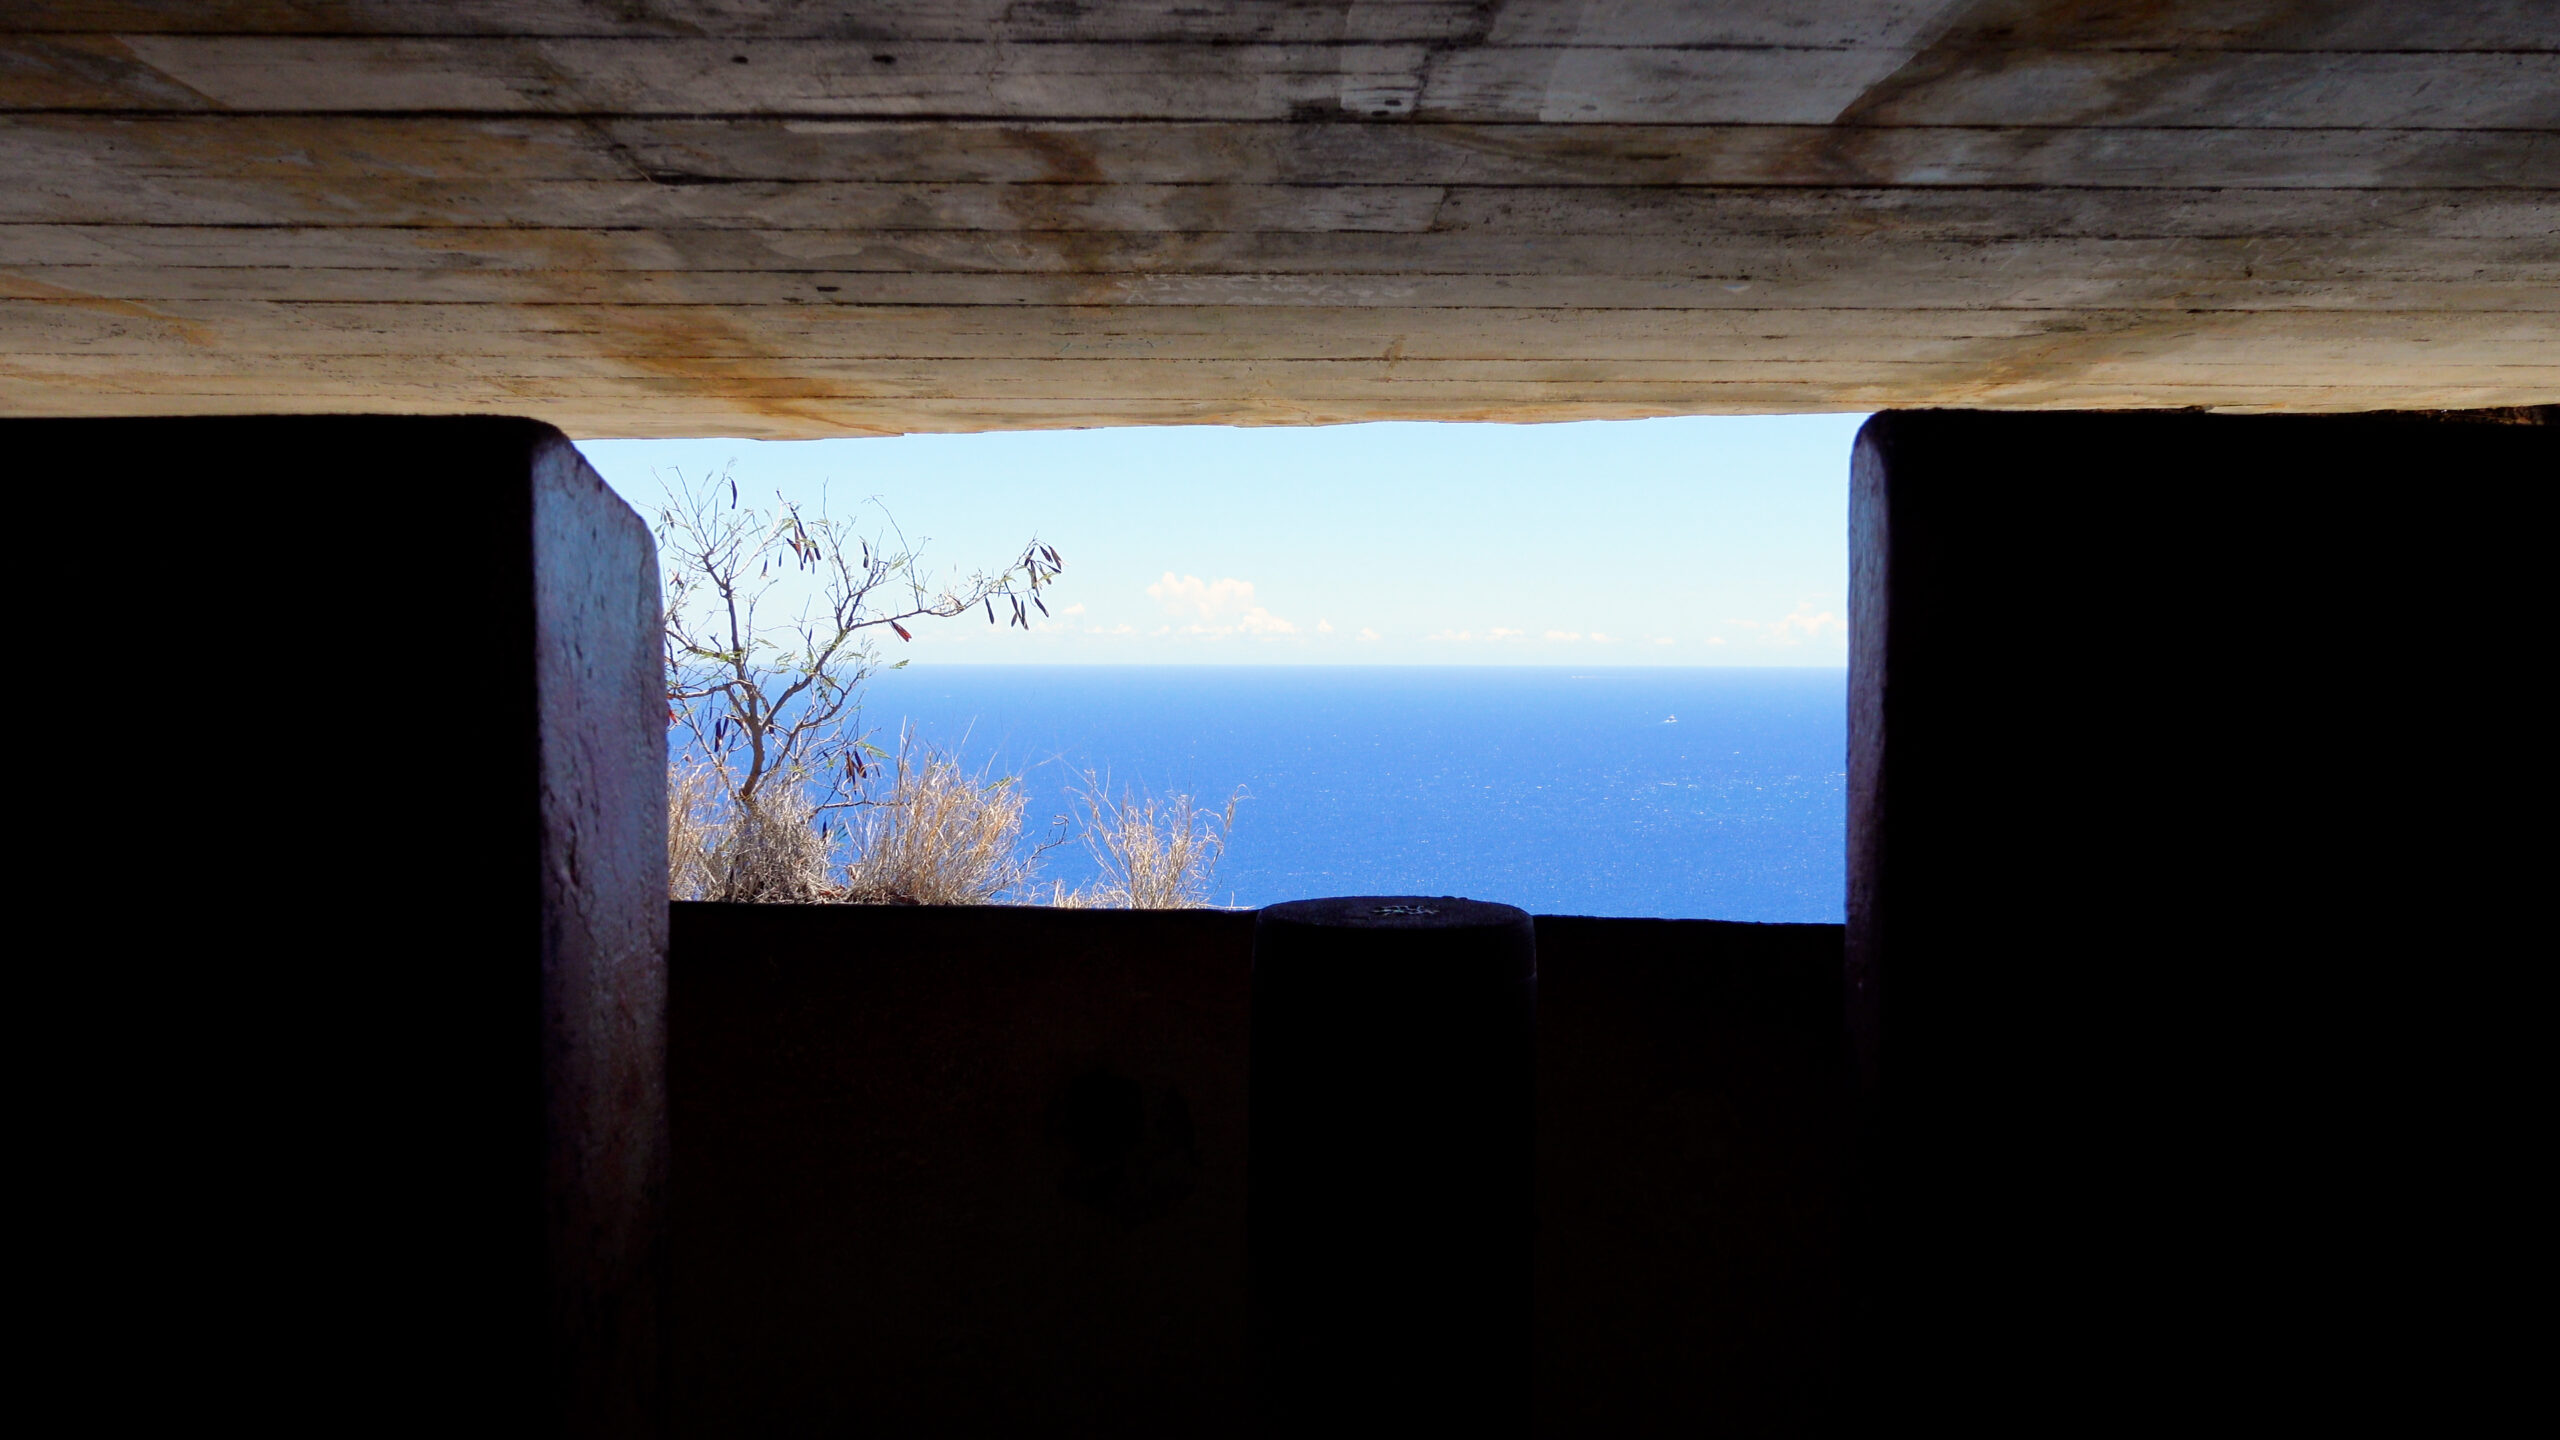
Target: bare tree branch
766,700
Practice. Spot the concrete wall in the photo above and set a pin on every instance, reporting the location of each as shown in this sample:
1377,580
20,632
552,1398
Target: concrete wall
350,1034
2190,979
902,1205
677,217
2193,874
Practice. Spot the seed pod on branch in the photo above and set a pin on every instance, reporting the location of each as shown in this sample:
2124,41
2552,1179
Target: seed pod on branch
764,703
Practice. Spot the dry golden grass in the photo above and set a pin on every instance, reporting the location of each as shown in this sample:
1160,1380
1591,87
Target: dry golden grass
941,836
935,835
1154,855
771,852
693,833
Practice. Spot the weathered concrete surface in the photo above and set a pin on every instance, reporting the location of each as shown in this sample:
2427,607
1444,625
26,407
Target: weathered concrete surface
945,1170
2181,908
364,1125
753,217
1393,1217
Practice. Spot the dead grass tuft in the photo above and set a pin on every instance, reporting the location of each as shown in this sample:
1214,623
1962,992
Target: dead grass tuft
770,852
1154,855
693,833
941,836
935,834
774,852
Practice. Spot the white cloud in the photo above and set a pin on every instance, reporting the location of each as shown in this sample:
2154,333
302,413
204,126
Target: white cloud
1498,633
1075,609
1216,607
1667,640
1191,597
1808,624
1324,627
1368,634
1599,639
1802,624
1564,635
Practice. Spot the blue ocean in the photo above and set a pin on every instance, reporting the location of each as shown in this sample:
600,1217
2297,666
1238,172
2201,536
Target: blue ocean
1700,793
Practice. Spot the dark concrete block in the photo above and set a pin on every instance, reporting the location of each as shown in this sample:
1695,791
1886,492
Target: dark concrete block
1691,1171
983,1171
959,1171
2183,751
384,1149
1394,1060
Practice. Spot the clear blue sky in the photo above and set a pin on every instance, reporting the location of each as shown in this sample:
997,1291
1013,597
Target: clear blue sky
1695,541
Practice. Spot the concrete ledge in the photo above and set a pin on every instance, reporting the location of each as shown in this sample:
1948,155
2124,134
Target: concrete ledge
977,1169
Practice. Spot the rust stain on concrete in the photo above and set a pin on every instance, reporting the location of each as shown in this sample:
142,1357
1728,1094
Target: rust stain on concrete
14,286
561,218
1989,38
87,72
1054,213
690,344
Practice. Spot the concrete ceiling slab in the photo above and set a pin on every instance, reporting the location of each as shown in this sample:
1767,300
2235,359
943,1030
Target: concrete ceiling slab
760,217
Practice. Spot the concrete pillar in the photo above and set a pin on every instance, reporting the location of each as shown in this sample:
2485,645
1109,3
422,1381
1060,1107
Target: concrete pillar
374,986
1394,1056
2178,747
